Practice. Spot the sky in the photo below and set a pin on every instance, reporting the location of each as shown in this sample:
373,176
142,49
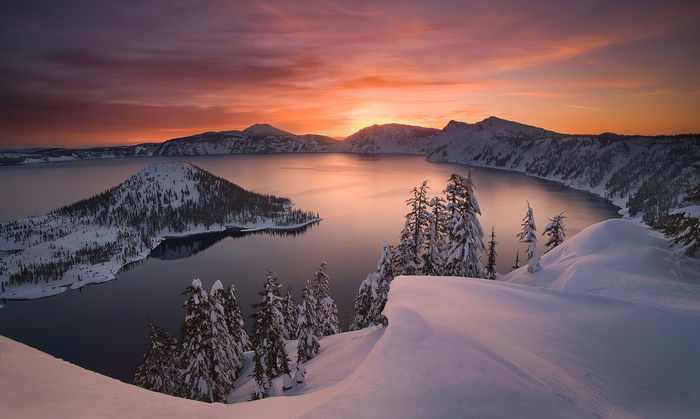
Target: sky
79,73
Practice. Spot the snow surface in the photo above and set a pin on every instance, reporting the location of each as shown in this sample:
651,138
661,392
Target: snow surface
609,329
620,259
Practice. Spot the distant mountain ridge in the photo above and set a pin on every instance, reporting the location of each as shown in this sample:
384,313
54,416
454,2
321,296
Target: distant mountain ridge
646,176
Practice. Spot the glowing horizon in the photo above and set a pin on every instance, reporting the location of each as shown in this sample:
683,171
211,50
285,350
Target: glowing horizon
84,74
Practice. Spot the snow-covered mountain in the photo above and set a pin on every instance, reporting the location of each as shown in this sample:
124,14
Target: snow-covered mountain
388,138
89,241
607,328
646,176
258,138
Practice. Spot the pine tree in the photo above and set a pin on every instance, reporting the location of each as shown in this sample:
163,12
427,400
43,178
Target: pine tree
326,308
413,235
268,338
555,232
433,258
197,382
465,232
405,262
529,235
290,316
385,265
236,326
363,303
516,265
221,346
491,264
308,345
158,370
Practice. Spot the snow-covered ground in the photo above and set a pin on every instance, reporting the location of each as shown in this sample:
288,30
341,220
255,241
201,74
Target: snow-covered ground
608,328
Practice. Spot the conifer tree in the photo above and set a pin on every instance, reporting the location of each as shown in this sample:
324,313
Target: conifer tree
385,265
158,370
465,232
405,262
290,316
555,231
197,382
433,258
308,345
516,265
325,305
270,356
491,263
236,325
381,285
363,303
408,260
221,346
529,235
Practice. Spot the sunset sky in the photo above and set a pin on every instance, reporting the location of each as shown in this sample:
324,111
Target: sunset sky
83,73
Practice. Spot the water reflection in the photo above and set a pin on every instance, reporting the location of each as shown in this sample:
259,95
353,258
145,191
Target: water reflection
183,247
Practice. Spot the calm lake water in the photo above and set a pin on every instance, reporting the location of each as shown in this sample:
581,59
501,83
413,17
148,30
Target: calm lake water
361,199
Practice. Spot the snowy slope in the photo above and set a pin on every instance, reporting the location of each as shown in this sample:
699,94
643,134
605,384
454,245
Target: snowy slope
645,176
388,138
620,259
459,347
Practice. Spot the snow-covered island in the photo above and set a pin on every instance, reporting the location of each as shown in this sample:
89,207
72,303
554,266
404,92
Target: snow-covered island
89,241
607,328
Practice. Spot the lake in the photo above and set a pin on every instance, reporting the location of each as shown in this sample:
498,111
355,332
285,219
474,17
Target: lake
360,198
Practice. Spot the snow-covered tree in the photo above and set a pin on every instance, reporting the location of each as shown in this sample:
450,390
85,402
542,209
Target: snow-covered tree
308,332
465,232
491,261
158,370
385,265
436,246
405,260
222,349
197,382
363,302
529,235
555,231
236,326
326,308
270,355
290,316
408,252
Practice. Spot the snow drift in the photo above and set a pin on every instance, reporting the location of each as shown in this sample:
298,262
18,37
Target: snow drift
608,330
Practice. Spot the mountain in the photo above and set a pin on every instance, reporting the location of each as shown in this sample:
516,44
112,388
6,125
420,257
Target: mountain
595,333
388,138
265,130
645,176
258,138
89,241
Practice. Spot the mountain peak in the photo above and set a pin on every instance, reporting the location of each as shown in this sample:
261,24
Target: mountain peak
264,130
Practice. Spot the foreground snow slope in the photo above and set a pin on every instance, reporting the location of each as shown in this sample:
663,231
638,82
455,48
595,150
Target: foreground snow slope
621,259
459,347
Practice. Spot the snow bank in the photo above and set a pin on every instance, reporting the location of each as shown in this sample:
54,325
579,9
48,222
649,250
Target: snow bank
621,259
